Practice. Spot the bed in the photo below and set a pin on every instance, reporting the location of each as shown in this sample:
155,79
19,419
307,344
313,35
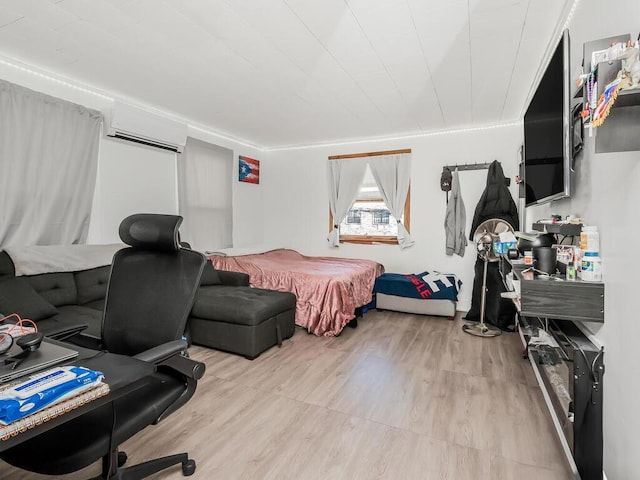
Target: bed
426,293
328,289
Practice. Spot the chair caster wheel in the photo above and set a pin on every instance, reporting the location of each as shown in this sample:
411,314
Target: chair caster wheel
122,458
188,468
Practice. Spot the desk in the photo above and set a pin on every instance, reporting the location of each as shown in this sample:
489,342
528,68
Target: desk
568,366
123,374
575,300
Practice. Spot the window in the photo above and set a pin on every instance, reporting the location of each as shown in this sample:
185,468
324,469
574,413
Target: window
381,217
354,217
205,196
374,223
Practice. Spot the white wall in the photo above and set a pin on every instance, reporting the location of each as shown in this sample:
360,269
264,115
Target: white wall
296,209
606,194
131,176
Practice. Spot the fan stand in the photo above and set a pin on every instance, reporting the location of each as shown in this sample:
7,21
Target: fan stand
485,236
482,329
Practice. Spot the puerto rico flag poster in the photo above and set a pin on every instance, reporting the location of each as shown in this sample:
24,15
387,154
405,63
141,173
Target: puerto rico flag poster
249,170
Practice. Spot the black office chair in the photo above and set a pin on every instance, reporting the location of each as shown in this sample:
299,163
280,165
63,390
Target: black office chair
150,294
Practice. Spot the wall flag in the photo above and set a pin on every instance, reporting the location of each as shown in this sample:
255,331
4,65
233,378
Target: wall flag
249,170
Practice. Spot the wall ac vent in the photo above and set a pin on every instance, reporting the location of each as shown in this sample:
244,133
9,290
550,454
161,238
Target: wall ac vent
136,125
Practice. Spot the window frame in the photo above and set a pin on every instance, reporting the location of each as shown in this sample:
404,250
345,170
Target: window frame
376,239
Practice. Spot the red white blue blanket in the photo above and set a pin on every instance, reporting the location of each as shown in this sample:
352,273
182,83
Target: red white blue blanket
426,285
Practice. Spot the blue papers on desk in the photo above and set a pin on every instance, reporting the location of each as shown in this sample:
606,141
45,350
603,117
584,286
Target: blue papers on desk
22,398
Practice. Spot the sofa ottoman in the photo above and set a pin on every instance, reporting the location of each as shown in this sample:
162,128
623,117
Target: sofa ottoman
247,320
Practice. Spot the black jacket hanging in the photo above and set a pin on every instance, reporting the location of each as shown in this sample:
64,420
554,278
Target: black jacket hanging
496,201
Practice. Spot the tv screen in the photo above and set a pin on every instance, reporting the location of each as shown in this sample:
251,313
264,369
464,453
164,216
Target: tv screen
547,142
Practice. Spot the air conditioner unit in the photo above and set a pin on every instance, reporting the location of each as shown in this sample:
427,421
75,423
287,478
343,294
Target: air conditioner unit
136,125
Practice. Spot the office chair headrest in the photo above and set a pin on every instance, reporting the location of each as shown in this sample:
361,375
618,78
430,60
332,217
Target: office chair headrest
151,231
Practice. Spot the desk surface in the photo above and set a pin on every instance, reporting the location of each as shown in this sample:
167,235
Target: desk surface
553,297
123,374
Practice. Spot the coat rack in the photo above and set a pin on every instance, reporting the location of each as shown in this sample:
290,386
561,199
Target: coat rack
468,166
473,166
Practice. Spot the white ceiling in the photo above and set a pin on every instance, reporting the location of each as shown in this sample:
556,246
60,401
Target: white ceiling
296,72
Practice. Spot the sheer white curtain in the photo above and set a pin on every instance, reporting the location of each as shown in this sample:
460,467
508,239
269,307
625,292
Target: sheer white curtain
48,160
345,177
393,176
204,195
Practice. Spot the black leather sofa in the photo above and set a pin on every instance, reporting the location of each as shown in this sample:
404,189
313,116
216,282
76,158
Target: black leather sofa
61,303
227,314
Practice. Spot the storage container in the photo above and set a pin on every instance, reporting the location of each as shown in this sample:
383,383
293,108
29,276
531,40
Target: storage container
590,239
591,270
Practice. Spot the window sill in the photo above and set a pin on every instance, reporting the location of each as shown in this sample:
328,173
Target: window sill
368,240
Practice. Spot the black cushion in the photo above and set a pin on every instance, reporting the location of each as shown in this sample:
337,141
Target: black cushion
238,279
241,305
7,269
18,296
96,305
210,275
92,284
58,288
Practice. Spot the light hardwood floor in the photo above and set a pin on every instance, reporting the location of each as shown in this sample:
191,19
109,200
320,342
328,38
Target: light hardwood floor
400,397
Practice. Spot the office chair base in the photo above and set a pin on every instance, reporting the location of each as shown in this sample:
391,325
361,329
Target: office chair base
143,470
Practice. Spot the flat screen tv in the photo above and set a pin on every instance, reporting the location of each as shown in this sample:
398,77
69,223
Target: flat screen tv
547,132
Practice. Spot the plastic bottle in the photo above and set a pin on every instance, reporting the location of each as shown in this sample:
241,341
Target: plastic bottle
577,261
528,258
590,239
591,267
572,269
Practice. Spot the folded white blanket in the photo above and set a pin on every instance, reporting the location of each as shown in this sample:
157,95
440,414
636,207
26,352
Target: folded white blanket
36,259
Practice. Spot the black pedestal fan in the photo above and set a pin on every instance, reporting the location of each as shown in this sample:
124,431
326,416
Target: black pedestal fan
487,233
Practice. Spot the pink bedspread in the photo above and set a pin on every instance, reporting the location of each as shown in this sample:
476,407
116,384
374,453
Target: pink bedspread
328,289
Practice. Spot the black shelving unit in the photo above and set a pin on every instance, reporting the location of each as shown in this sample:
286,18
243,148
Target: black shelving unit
570,370
576,367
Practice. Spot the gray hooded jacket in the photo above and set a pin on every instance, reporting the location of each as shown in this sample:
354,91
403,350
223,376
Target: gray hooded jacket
455,220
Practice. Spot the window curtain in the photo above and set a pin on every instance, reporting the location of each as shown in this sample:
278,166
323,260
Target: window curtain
48,160
204,195
393,175
345,177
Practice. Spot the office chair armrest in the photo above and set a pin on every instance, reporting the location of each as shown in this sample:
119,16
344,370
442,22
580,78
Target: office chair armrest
64,332
191,370
185,366
87,340
162,352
